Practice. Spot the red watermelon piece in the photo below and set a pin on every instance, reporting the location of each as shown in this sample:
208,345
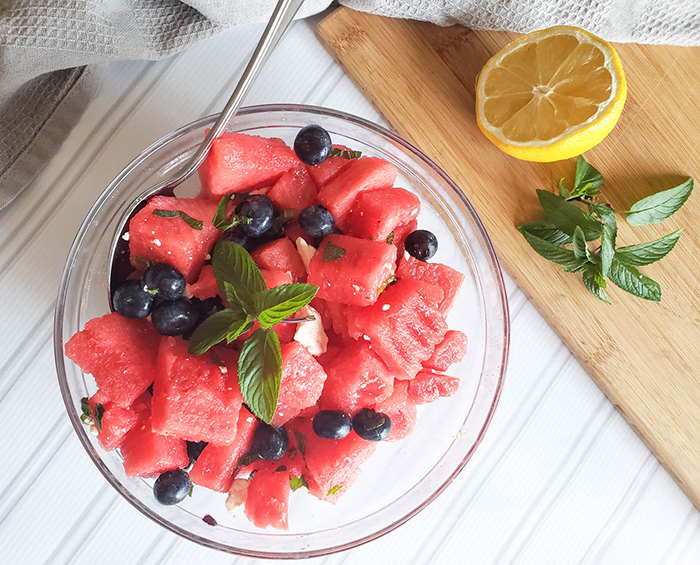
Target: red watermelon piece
357,378
120,353
267,502
355,278
401,411
293,191
239,162
276,277
148,454
428,387
193,398
377,213
280,255
206,286
117,420
367,173
451,349
172,240
447,278
325,172
215,465
404,326
332,466
301,383
400,235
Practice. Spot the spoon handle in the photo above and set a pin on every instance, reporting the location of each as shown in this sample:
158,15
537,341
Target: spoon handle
282,16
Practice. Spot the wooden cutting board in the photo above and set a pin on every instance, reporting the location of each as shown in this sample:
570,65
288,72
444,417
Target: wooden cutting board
645,356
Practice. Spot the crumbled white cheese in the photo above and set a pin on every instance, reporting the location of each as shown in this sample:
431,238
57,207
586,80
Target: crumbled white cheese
311,334
237,494
385,307
366,337
224,370
156,242
125,236
356,288
306,251
93,430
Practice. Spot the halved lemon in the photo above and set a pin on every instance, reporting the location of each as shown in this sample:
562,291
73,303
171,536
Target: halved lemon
550,95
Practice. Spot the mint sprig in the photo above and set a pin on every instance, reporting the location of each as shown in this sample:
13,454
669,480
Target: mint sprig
567,224
189,220
220,220
242,285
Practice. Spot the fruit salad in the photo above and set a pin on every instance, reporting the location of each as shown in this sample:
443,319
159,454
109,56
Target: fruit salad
274,329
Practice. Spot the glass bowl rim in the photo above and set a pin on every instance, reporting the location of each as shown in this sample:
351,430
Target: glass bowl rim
406,147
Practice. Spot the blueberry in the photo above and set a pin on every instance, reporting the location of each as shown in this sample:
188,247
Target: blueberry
194,449
332,424
422,244
174,318
270,443
236,235
371,425
172,487
260,210
317,221
132,300
313,145
166,279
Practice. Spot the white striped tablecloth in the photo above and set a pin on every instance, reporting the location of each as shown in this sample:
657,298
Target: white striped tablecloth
559,478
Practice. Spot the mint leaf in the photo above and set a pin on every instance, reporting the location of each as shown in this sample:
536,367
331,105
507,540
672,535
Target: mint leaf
220,222
390,237
333,252
225,325
648,253
237,275
281,218
545,230
275,304
281,469
140,262
389,281
587,179
592,279
301,442
563,191
246,459
553,252
334,490
659,206
86,410
628,278
566,216
189,220
345,153
608,237
580,246
99,413
297,482
259,373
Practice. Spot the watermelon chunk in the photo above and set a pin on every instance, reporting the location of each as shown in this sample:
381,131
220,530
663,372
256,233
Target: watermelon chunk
401,410
301,383
215,465
280,255
193,398
451,349
377,213
206,286
172,240
404,326
355,278
120,353
293,191
238,162
332,466
428,387
448,279
148,454
356,378
117,420
276,277
400,235
367,173
267,502
325,172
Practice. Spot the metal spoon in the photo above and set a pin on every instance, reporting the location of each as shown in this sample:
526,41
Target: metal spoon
119,251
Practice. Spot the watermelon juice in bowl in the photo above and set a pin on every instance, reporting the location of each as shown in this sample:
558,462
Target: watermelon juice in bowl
401,477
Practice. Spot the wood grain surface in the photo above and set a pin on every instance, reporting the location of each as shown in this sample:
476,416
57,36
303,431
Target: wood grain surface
644,356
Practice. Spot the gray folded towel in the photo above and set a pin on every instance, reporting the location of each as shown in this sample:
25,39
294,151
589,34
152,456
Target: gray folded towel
52,53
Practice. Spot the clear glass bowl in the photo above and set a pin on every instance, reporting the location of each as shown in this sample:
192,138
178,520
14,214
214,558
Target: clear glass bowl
402,477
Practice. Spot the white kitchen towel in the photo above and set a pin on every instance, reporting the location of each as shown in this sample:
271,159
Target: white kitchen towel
52,53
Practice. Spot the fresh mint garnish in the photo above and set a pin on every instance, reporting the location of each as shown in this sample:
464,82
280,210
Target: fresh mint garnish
189,220
566,224
334,490
298,482
333,252
281,469
301,442
345,153
99,413
139,262
390,237
220,220
242,285
87,416
659,206
390,280
246,459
